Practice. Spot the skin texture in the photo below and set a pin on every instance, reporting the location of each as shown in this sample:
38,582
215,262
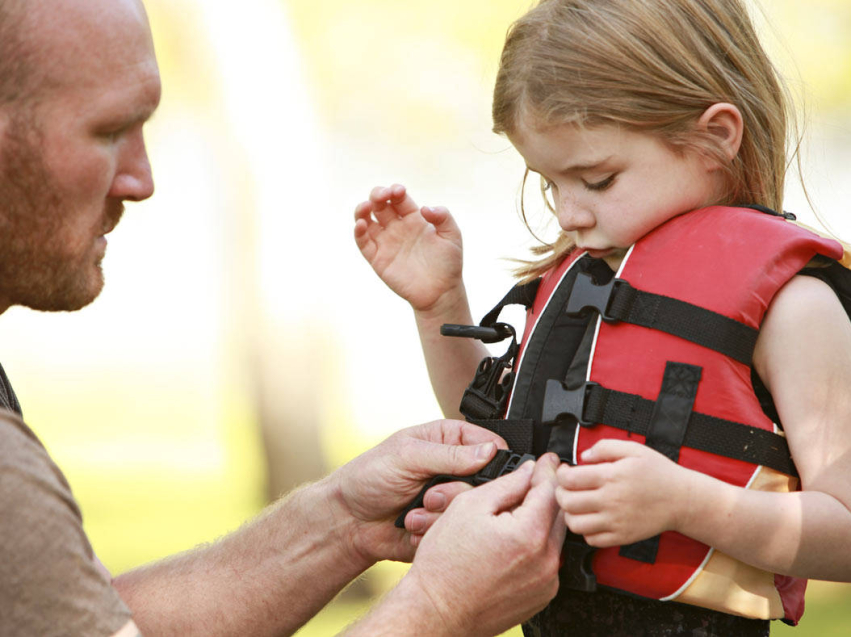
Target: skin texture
272,575
628,183
628,492
445,598
417,252
70,159
610,186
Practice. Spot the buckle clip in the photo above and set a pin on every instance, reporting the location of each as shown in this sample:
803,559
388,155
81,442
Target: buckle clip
576,570
561,402
588,295
486,334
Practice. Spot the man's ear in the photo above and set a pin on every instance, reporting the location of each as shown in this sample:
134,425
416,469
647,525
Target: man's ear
724,123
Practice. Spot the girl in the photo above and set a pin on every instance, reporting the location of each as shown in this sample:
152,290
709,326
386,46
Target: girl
649,122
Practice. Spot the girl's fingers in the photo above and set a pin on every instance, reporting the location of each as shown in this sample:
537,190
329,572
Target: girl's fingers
581,478
385,216
577,502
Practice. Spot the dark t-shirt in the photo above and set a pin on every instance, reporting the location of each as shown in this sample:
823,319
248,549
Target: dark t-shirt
50,583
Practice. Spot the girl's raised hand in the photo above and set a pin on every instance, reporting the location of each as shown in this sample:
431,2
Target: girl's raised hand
416,251
627,493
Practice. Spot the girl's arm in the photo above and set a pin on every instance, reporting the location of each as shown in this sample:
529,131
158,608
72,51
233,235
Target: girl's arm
417,252
804,357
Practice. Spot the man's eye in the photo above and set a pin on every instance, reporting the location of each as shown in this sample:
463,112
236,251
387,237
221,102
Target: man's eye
601,185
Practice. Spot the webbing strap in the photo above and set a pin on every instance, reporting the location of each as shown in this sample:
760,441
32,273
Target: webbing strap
521,294
619,301
633,413
666,432
517,432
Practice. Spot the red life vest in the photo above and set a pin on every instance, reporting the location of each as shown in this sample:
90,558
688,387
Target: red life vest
730,261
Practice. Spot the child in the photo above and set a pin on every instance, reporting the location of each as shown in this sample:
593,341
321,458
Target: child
649,122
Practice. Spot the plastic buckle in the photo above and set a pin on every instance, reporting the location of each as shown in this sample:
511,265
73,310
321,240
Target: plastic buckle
499,332
588,295
559,401
576,571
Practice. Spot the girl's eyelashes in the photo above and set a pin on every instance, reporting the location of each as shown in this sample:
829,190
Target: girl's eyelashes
548,186
600,185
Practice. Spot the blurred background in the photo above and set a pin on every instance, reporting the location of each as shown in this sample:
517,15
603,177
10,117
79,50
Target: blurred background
242,346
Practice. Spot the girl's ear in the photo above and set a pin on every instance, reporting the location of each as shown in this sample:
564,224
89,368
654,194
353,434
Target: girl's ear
724,122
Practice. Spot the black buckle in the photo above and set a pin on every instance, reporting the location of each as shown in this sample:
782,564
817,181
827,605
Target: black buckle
499,332
504,462
576,572
588,295
559,401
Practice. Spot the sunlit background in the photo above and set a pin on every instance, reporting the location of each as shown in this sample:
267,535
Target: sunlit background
242,346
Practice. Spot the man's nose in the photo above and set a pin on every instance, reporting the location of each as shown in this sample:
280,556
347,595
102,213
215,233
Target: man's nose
133,178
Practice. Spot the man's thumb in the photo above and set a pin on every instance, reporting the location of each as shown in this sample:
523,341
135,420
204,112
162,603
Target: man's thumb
460,460
508,491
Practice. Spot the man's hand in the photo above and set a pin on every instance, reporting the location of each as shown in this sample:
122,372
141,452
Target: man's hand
490,562
374,487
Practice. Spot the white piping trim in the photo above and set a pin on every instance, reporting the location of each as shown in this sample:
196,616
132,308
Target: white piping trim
535,326
688,582
700,568
600,319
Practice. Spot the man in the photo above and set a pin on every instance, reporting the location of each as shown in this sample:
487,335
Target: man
78,81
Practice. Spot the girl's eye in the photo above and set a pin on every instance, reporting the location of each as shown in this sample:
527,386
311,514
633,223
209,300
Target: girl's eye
548,185
601,185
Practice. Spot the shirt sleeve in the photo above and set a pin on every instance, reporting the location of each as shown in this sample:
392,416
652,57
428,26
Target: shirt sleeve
50,584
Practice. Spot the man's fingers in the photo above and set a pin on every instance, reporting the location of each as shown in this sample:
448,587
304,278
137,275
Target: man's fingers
469,434
426,459
418,521
505,492
439,497
540,502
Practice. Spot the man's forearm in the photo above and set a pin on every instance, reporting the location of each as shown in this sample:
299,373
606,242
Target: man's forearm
406,610
268,578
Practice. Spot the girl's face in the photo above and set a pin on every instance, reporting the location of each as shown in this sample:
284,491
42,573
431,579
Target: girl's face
611,186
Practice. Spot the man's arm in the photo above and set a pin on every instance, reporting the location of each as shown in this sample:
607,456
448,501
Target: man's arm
271,576
488,564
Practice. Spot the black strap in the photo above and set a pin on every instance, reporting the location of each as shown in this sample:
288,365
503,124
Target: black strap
521,294
672,410
505,461
516,432
619,301
8,400
592,404
563,433
666,433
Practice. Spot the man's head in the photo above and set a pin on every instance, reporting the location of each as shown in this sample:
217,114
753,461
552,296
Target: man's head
81,83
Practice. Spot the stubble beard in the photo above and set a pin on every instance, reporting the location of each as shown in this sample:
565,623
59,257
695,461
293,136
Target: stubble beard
37,269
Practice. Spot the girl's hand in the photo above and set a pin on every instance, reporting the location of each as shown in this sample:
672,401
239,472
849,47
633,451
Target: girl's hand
629,493
415,251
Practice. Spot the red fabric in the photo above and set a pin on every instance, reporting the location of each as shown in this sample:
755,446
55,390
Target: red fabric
731,261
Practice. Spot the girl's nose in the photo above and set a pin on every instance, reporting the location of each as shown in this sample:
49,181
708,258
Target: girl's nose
572,217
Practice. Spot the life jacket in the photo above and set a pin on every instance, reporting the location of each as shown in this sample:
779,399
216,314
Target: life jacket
660,353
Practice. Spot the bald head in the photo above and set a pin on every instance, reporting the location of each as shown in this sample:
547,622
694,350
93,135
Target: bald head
38,39
78,81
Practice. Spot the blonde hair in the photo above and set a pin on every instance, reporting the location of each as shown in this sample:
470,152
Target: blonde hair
652,66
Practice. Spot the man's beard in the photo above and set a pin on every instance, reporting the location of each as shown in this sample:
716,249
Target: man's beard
36,268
